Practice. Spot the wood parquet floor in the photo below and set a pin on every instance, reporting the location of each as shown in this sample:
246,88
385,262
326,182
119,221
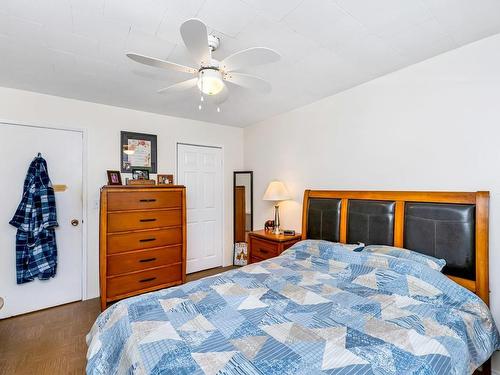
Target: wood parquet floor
52,341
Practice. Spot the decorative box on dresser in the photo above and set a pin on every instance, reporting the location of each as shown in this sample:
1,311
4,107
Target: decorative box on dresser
265,244
142,240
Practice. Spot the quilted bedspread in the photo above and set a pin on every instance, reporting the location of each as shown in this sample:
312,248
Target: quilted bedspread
319,308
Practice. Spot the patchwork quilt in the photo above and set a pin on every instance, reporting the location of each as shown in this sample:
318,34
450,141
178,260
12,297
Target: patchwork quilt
319,308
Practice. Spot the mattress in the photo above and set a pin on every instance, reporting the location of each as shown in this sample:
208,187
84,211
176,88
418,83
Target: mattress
319,308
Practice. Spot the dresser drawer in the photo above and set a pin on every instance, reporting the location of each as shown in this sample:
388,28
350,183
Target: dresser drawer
120,242
140,200
143,259
263,249
255,260
119,285
133,220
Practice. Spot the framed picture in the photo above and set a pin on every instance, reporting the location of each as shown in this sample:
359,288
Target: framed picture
165,179
138,150
240,254
140,174
114,178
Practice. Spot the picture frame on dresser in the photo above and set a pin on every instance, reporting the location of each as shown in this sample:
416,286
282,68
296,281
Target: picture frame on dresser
114,178
142,240
165,179
140,174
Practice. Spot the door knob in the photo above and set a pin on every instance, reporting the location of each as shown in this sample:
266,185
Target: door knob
75,222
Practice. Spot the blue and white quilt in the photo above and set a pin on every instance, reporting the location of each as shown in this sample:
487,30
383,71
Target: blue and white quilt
319,308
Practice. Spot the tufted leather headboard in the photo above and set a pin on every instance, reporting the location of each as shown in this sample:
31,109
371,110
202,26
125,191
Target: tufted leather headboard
436,228
370,222
452,226
324,219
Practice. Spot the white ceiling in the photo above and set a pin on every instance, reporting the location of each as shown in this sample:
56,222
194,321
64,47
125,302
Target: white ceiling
76,48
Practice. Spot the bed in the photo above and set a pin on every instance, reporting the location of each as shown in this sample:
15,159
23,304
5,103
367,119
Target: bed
325,307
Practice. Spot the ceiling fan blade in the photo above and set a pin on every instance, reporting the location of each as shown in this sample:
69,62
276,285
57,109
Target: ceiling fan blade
181,86
249,57
248,81
158,63
195,36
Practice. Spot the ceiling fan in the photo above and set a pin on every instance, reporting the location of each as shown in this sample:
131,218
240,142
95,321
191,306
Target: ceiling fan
211,75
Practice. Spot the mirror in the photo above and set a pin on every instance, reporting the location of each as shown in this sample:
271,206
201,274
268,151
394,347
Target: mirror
243,214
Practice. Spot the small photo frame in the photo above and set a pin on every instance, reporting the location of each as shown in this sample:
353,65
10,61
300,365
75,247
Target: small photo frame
165,179
114,178
140,174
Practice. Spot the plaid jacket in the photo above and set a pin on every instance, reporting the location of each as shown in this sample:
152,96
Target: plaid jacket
35,220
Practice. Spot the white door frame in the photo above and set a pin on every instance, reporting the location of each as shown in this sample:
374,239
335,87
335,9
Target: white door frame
223,215
83,132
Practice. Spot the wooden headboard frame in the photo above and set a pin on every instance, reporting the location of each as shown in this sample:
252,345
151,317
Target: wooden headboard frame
480,199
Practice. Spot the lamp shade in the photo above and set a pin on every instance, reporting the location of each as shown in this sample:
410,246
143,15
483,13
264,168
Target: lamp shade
276,191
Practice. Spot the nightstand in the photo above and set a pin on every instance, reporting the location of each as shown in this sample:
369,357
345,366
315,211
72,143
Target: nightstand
266,244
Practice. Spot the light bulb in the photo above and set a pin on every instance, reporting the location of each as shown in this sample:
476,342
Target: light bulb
218,109
210,81
202,99
199,107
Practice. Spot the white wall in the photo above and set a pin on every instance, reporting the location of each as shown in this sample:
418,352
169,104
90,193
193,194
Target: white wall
103,125
431,126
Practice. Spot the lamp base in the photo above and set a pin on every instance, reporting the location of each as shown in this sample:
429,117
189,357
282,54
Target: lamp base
276,229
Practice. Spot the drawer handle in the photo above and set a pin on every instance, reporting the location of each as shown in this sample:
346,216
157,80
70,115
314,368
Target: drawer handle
147,260
264,251
146,220
147,200
147,239
148,279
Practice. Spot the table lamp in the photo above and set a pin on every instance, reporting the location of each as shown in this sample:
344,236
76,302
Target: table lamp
276,192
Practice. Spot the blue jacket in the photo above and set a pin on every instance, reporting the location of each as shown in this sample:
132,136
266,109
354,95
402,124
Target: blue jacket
35,220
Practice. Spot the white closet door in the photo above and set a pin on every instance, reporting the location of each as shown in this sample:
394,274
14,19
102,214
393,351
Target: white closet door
62,150
200,170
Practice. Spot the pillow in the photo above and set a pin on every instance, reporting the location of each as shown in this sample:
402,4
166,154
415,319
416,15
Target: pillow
323,249
398,252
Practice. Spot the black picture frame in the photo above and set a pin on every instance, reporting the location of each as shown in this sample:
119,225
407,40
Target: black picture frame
114,178
140,174
125,166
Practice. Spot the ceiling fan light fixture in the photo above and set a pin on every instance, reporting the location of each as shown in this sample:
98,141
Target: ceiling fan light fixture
210,81
209,74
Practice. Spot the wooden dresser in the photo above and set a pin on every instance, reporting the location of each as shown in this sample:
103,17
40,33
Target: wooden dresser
142,240
265,244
